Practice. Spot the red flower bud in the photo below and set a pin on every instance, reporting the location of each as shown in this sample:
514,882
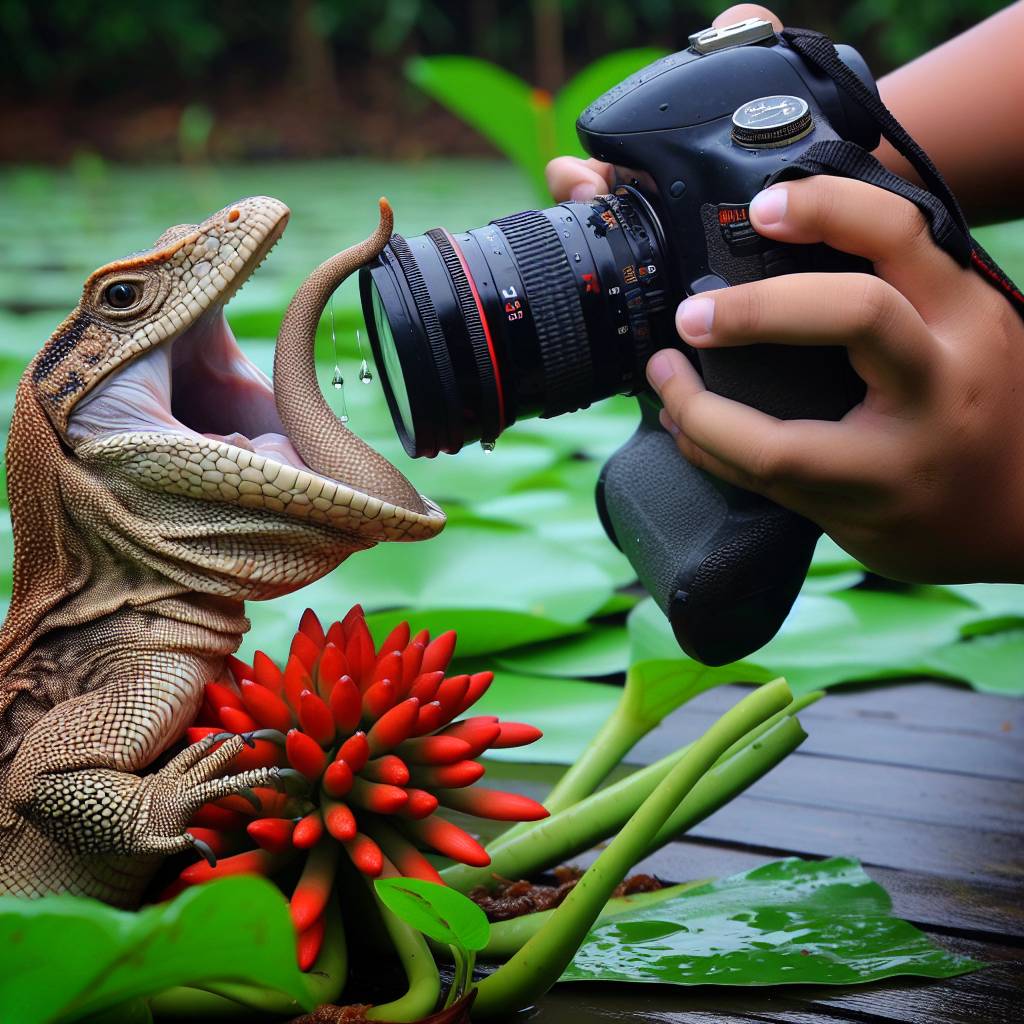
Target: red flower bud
305,649
447,839
365,854
310,625
269,710
308,944
338,778
315,718
443,749
396,640
267,673
516,734
439,652
273,834
355,751
389,769
377,796
308,831
223,696
393,726
296,679
448,776
346,704
492,803
305,754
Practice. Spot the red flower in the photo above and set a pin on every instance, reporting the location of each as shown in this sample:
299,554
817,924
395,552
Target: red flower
371,741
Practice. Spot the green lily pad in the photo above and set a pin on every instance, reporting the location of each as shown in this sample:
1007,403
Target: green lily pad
568,711
66,957
601,651
791,922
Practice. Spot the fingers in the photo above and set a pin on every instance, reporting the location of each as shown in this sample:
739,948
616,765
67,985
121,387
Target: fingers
861,219
889,344
569,177
741,12
787,460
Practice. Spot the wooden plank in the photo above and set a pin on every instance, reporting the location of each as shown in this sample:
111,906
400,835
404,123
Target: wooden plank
893,791
920,846
845,725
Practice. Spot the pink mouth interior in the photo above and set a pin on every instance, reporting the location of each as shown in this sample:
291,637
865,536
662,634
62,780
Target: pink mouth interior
199,384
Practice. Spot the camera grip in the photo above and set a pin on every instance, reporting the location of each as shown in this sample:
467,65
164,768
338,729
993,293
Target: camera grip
725,565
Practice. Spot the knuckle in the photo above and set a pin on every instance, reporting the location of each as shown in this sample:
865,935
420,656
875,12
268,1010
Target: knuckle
911,225
875,307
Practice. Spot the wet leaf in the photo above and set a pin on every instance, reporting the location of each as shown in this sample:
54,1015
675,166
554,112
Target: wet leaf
440,912
238,929
788,922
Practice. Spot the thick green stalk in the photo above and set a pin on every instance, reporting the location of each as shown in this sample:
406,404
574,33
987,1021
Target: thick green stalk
540,963
566,834
420,971
507,937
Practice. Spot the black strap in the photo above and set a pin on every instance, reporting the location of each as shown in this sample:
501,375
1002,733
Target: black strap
937,202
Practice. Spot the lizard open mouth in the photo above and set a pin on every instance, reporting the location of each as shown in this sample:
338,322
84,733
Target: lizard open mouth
190,414
200,384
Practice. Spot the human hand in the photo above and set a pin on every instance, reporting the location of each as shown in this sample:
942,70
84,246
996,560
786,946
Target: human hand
922,481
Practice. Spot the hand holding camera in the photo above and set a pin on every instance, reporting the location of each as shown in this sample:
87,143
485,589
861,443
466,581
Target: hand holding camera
809,392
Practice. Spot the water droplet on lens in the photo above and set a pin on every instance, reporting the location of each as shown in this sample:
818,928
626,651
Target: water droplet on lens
365,373
487,446
338,381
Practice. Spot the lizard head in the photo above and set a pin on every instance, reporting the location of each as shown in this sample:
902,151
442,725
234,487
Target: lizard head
150,395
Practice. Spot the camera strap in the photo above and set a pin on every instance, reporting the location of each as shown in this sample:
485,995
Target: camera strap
846,159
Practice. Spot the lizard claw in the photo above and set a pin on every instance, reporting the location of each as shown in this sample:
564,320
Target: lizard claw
203,848
249,795
270,735
248,738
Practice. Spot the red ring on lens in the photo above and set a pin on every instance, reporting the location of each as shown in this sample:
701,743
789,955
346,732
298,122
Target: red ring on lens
487,332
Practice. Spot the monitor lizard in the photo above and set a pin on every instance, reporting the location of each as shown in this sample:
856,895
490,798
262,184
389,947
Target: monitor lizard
157,480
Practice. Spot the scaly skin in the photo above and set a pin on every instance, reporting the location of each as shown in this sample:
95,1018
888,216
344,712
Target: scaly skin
136,542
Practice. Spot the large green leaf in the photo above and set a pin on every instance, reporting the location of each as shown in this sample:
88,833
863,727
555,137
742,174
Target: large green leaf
601,651
501,107
568,711
834,638
790,922
66,957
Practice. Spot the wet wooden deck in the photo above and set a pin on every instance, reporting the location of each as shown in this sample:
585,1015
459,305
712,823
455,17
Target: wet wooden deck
925,784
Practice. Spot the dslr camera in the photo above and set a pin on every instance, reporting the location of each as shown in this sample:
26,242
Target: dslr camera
543,312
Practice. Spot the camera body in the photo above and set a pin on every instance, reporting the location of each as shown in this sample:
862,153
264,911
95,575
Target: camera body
698,134
543,312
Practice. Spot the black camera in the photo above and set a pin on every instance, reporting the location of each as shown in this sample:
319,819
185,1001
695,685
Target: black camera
544,312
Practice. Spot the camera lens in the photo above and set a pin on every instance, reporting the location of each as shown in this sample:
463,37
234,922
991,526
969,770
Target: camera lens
535,314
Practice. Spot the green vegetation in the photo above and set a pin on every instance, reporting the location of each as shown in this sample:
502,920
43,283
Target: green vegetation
523,571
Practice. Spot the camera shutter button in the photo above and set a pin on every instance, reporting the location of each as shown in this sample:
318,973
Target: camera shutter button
769,122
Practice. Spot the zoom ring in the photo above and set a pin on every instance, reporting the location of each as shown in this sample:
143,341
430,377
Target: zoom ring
431,324
553,297
490,416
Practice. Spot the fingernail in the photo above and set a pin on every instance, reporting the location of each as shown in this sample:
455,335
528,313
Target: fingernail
667,422
694,317
661,368
769,206
582,193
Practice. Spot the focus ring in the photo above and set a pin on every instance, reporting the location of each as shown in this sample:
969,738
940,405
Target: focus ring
490,419
435,335
553,297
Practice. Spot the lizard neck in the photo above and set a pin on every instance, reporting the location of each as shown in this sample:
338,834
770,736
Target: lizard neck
75,563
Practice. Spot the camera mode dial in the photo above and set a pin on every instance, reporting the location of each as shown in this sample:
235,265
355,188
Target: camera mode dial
770,122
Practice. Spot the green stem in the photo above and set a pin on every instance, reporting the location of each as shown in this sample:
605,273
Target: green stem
419,966
569,832
540,963
507,937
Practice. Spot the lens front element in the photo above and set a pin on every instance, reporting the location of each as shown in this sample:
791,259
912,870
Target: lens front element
535,314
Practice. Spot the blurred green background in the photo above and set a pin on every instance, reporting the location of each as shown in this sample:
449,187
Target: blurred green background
120,120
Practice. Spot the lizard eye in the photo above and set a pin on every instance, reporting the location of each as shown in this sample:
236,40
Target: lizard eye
121,295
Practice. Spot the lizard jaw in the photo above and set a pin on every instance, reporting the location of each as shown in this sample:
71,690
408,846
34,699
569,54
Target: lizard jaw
193,416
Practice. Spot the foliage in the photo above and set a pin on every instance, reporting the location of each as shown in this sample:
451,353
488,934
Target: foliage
791,922
528,125
237,930
523,570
